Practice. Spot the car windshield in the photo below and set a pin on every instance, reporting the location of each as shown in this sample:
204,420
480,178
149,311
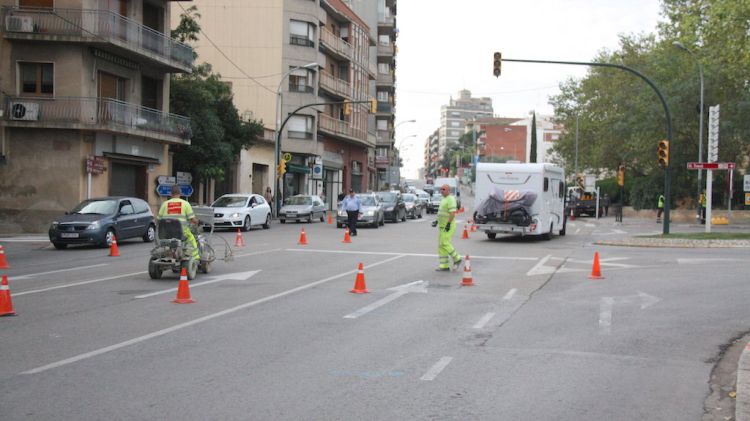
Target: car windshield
424,196
409,198
437,196
298,200
100,207
387,197
368,201
230,202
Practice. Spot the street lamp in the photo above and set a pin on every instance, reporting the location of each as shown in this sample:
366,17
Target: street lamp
681,46
277,146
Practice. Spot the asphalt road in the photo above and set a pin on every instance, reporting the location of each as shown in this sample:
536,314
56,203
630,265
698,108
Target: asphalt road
275,334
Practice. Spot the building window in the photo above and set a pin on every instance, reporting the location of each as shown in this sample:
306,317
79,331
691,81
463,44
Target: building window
37,78
382,124
384,68
383,96
455,124
381,152
300,127
301,80
384,40
301,33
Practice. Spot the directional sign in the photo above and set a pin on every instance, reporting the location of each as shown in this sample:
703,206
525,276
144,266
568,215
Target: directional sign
187,190
164,189
184,178
166,180
710,165
746,182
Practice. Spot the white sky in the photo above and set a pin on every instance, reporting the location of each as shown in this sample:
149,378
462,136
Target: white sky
447,45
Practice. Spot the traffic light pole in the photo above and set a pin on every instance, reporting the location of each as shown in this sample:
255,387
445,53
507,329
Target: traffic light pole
277,196
667,179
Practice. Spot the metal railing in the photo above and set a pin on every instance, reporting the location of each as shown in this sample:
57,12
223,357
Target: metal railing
386,49
334,84
341,127
90,111
385,79
91,24
335,43
386,20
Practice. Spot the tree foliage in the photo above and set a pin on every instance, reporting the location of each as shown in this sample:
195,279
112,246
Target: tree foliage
532,149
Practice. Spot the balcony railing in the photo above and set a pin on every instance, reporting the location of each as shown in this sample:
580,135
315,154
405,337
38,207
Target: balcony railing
97,26
382,160
334,84
386,20
385,107
96,114
334,43
342,128
385,79
385,49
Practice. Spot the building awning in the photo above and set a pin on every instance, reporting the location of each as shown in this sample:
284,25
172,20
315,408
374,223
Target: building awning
132,158
296,168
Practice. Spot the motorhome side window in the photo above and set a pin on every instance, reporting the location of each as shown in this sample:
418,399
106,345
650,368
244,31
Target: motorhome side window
562,189
546,184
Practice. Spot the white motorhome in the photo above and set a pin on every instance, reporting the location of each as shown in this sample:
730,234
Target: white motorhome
520,199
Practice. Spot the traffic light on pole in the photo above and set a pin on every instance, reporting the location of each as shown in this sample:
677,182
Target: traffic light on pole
621,176
373,105
497,63
662,152
282,168
347,107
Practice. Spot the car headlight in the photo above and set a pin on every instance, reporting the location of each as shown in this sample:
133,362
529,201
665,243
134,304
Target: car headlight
54,225
342,213
409,205
94,225
370,213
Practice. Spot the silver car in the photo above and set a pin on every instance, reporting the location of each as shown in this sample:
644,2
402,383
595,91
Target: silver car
371,212
241,211
302,207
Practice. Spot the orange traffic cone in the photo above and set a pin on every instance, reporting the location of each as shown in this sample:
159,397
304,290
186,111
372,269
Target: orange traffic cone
572,215
238,240
183,290
359,283
113,250
6,304
347,238
596,271
465,235
302,238
467,281
330,219
3,262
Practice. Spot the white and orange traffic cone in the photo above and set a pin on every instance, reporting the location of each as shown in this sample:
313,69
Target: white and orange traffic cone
183,290
302,238
596,270
238,240
3,262
359,282
6,304
465,235
114,251
347,236
467,281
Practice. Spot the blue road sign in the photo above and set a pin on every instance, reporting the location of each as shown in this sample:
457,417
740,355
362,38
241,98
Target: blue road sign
164,189
187,189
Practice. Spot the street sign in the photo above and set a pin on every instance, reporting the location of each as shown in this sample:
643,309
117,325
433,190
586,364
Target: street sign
95,164
317,171
287,156
164,189
166,180
710,165
187,190
747,199
713,133
184,178
747,183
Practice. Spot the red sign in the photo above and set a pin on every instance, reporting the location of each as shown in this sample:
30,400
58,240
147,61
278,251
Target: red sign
710,165
95,164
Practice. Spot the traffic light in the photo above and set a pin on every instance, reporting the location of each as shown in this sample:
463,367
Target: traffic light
347,107
621,176
282,168
373,105
497,63
662,153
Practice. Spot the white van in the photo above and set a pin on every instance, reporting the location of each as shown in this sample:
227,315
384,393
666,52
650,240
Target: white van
521,199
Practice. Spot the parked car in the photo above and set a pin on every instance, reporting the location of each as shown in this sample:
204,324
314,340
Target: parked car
302,207
372,213
414,208
393,205
97,221
241,211
434,203
423,197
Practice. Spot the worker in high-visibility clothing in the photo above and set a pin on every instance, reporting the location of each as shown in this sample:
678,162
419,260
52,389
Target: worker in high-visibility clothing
702,209
446,227
176,208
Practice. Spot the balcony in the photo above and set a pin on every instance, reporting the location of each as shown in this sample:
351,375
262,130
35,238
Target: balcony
387,22
343,129
99,27
385,108
386,50
382,161
386,79
335,45
384,138
334,85
98,114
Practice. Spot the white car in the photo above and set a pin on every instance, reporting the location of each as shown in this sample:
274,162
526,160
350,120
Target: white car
241,211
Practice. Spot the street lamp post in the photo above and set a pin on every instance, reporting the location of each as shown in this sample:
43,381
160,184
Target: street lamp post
277,146
681,46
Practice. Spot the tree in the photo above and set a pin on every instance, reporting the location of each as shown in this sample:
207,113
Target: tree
532,151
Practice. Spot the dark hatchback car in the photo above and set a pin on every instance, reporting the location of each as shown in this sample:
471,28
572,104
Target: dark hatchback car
393,206
97,221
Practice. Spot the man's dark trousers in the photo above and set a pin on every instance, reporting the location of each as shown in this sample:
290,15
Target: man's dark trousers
353,216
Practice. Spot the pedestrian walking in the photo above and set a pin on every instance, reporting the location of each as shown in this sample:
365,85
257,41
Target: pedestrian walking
702,205
606,204
446,227
659,208
269,197
353,207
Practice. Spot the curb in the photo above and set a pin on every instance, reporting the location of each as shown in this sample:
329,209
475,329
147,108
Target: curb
675,243
742,404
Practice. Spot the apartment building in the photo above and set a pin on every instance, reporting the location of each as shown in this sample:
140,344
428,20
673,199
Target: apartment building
431,155
453,116
84,104
500,138
285,55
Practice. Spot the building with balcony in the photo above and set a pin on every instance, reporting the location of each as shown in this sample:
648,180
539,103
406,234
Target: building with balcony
431,156
83,82
453,116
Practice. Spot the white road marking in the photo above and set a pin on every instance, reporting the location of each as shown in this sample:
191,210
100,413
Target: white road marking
577,231
26,239
605,315
695,261
257,253
193,322
34,291
34,275
572,224
239,276
418,286
385,253
483,321
589,225
536,270
436,369
510,294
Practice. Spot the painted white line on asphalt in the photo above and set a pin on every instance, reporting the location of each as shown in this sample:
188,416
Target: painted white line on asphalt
385,253
401,290
257,253
577,231
174,328
34,275
483,321
34,291
536,269
242,276
40,239
435,370
605,315
510,294
694,261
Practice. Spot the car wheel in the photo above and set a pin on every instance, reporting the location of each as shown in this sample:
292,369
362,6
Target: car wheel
419,215
283,221
339,225
403,218
154,271
150,234
491,235
60,246
108,237
246,224
267,225
322,217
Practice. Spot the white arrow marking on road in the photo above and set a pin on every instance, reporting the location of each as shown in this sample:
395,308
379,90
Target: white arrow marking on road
417,286
237,276
612,232
590,225
510,294
436,369
539,268
34,275
483,321
606,304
